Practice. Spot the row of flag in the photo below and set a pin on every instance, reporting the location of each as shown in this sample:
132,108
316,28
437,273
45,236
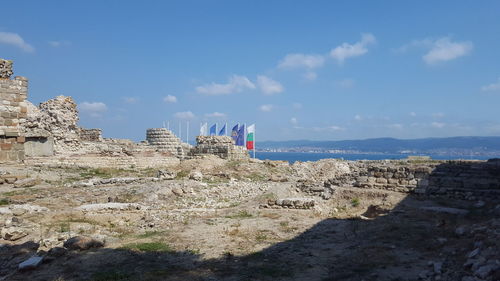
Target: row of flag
242,135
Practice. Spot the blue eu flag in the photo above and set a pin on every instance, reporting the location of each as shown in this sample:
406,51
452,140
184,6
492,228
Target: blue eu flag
240,140
213,130
234,133
222,131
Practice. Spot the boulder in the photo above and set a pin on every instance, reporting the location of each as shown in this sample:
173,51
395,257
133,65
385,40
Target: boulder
196,175
82,243
28,182
13,233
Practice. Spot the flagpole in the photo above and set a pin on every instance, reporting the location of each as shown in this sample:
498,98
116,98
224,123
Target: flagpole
180,131
187,132
254,141
168,125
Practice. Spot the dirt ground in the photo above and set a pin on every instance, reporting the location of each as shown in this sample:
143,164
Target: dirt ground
209,219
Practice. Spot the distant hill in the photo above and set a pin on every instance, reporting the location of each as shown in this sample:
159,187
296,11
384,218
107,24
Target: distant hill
452,145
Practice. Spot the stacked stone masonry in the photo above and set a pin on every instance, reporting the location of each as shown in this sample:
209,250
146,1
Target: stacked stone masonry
468,180
165,141
94,135
222,146
13,111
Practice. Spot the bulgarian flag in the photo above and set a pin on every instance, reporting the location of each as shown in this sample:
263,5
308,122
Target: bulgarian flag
251,137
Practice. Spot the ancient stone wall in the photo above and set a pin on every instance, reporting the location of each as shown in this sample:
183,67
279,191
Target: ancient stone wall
468,180
94,135
165,141
13,110
222,146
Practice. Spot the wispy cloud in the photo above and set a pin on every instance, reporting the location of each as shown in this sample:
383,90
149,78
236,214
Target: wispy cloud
269,86
216,115
491,87
235,84
184,115
266,108
358,117
328,128
413,114
438,115
310,76
170,99
294,121
438,125
301,61
130,100
396,126
14,39
345,83
61,43
93,109
440,50
346,50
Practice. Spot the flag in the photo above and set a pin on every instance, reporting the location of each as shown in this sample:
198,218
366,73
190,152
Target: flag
203,129
240,140
250,137
213,130
234,133
222,131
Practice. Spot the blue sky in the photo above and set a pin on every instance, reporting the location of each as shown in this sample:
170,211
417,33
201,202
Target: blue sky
320,70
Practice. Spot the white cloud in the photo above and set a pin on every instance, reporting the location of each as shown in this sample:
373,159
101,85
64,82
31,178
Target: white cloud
269,86
413,114
444,49
492,87
310,76
345,83
438,125
130,100
170,99
395,126
57,44
94,109
328,128
440,50
358,117
301,61
216,115
235,84
346,50
14,39
184,115
438,115
294,121
266,107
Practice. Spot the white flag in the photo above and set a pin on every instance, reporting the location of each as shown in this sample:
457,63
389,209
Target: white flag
203,129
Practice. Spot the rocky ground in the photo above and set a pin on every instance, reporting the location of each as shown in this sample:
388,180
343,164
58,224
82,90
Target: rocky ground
212,219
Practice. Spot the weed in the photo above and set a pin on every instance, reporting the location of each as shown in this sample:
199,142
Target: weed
240,215
64,227
182,174
355,202
148,247
149,234
261,237
4,201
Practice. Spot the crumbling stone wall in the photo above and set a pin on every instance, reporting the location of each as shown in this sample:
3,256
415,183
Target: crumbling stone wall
94,135
165,141
222,146
469,180
13,110
57,118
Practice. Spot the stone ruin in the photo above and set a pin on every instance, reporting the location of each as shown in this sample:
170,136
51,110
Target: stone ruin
13,111
165,141
49,133
222,146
